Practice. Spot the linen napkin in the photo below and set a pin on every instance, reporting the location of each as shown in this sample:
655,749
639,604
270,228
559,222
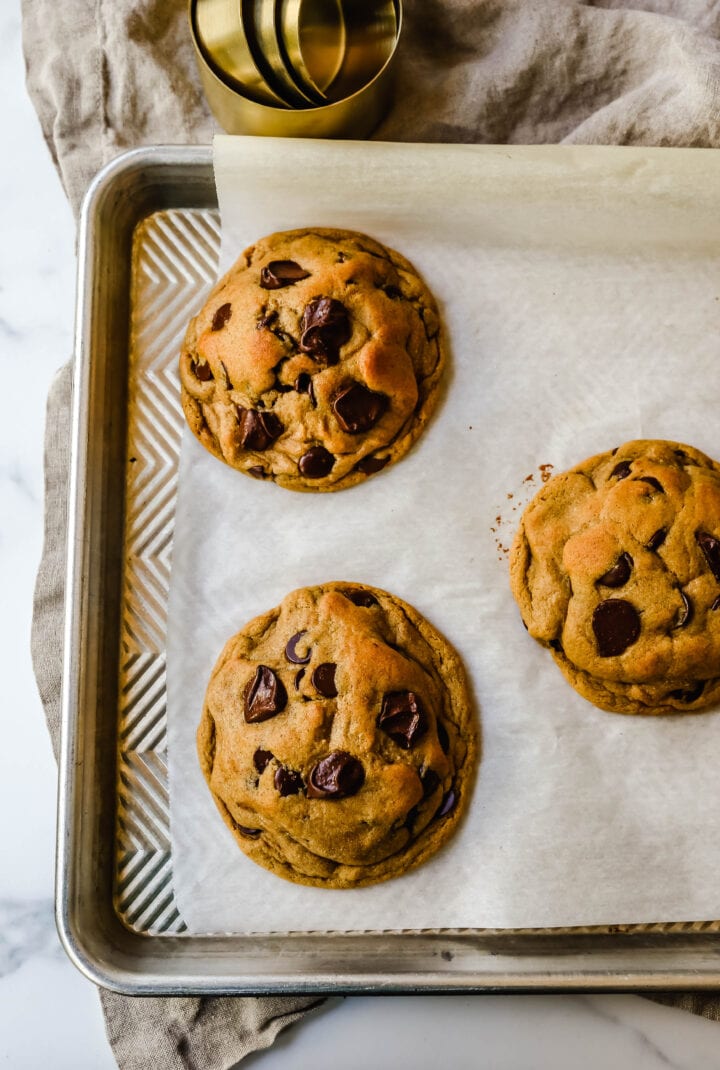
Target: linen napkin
107,75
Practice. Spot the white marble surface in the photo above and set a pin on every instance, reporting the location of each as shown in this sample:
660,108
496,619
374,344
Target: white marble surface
49,1014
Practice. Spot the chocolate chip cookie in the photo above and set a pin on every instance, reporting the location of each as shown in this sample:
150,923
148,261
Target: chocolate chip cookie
315,361
337,737
616,568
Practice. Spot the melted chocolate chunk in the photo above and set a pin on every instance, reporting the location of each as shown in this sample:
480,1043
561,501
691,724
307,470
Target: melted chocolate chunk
251,833
364,599
325,327
710,547
202,370
279,273
257,472
411,817
448,804
222,315
291,650
370,465
261,759
304,385
316,463
684,614
616,624
689,694
716,603
323,679
651,482
267,320
621,470
430,781
656,540
287,781
402,717
258,430
265,696
443,738
358,409
619,574
336,776
298,678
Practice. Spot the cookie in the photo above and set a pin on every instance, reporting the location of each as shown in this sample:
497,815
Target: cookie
337,737
315,362
616,569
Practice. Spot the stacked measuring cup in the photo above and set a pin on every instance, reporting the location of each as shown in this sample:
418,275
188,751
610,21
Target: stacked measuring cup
296,68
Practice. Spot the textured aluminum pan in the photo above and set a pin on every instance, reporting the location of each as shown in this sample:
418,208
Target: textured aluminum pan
149,242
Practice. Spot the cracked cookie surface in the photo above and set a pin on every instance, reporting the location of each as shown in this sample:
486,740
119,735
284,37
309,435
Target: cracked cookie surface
337,737
616,569
315,362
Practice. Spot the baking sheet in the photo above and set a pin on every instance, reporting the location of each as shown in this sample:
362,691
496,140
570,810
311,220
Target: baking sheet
580,289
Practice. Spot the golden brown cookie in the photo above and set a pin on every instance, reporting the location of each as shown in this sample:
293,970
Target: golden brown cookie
337,737
315,362
616,568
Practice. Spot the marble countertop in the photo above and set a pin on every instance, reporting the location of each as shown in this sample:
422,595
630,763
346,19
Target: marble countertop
49,1014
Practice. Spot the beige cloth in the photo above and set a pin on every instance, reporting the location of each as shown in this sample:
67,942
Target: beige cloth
106,75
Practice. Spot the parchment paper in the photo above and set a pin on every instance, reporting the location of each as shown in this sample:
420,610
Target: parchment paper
580,290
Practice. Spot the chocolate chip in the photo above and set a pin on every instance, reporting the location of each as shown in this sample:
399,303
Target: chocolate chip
279,273
656,540
430,781
361,598
257,472
257,429
336,776
616,624
267,320
251,833
291,650
358,409
265,696
370,465
716,603
222,315
689,694
202,370
619,574
325,327
298,678
323,679
710,547
261,759
447,804
287,781
621,470
443,738
684,614
316,463
651,481
303,383
402,717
